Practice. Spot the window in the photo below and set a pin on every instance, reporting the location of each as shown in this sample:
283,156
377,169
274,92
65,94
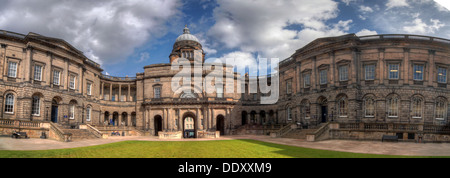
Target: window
393,71
35,106
306,109
12,69
89,88
442,75
56,76
88,113
441,109
323,77
9,103
417,106
343,73
72,111
72,80
369,107
219,91
157,91
307,80
369,72
288,114
38,73
289,86
418,72
342,105
392,106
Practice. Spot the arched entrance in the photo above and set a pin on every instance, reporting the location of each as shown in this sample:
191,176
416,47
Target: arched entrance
189,126
106,119
115,119
244,117
158,124
323,105
54,113
220,124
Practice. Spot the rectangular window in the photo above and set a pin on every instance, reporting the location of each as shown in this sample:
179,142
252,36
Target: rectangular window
370,72
157,91
88,114
323,77
12,69
56,76
289,86
88,88
72,112
38,73
343,73
418,72
393,71
219,92
288,114
72,80
307,80
442,75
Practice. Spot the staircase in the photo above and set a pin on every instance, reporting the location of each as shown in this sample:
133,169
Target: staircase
299,133
80,134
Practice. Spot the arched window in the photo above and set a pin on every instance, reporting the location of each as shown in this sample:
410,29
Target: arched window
392,106
9,103
342,106
35,106
369,106
88,113
441,108
417,107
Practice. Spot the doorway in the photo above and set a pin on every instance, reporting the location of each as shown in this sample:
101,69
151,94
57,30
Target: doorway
324,113
189,126
158,124
54,114
221,124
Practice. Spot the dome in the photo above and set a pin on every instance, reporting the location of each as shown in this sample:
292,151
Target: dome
186,36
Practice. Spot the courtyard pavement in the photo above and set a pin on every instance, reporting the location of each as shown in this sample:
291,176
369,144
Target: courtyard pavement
371,147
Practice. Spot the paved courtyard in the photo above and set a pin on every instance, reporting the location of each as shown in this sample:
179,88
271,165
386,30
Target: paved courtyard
371,147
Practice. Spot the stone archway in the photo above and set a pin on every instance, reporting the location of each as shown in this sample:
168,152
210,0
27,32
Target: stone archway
189,125
220,124
158,124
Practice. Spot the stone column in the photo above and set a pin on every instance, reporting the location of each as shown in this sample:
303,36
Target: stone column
128,94
110,92
120,93
102,94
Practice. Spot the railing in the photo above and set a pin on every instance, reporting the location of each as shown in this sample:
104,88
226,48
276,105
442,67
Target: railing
283,131
94,131
118,78
319,132
20,124
404,36
60,135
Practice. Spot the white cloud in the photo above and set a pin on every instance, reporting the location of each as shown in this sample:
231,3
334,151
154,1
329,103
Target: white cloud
366,32
263,26
144,56
347,2
418,26
396,3
443,5
365,9
106,30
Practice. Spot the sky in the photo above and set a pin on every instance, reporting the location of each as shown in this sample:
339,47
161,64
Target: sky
126,35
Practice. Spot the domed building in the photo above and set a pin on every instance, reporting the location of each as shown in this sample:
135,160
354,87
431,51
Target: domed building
345,87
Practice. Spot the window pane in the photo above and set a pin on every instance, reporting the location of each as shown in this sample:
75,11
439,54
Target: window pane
369,107
88,114
9,103
370,72
323,77
35,107
38,73
307,80
393,71
56,75
417,107
343,73
442,75
72,82
392,107
157,92
418,72
12,69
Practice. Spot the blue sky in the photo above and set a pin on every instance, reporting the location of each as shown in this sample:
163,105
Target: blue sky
126,35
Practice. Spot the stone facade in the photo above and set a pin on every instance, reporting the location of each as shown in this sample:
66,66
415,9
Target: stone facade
345,79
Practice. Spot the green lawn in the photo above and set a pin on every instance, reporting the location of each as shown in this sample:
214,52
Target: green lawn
192,149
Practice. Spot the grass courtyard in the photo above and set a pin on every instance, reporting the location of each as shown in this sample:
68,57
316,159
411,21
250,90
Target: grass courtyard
191,149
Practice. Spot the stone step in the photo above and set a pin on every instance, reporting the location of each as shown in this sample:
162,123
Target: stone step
80,134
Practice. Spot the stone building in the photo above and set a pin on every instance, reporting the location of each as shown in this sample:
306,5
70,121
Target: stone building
361,87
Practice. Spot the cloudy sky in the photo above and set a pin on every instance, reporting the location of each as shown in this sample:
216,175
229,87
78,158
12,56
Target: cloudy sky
125,35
